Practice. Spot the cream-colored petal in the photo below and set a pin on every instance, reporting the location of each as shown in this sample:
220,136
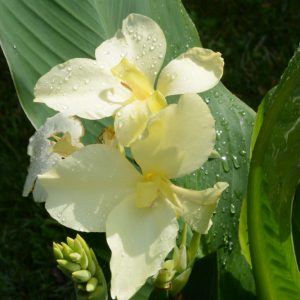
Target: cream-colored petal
140,239
141,41
195,71
40,148
131,121
200,205
80,87
83,188
178,139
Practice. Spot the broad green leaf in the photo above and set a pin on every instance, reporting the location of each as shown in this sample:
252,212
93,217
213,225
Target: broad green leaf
243,233
234,121
243,225
36,35
274,176
296,225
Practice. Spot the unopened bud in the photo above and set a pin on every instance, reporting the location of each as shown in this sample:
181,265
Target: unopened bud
81,275
69,266
57,252
92,284
75,257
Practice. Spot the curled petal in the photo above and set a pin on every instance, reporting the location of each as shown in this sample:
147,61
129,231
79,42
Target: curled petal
200,205
195,71
80,87
178,139
83,188
40,148
140,239
141,41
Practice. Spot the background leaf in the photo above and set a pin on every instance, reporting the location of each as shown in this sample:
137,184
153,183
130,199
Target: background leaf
44,33
274,176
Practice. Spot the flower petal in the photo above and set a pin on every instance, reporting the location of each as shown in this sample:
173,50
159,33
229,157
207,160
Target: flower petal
178,139
83,188
140,239
141,41
200,205
80,87
40,148
195,71
131,121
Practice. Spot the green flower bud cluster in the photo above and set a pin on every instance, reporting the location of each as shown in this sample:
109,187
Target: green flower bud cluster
175,272
77,260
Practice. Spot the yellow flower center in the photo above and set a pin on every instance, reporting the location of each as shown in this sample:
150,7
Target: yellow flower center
137,82
152,187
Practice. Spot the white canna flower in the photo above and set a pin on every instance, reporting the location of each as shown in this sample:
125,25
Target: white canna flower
98,189
46,148
123,80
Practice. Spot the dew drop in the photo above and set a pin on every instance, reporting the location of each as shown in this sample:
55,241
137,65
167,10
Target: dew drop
86,81
224,263
225,164
75,87
236,162
14,46
243,152
232,209
69,69
207,100
152,48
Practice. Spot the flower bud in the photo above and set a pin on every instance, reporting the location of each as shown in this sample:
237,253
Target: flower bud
81,275
77,260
